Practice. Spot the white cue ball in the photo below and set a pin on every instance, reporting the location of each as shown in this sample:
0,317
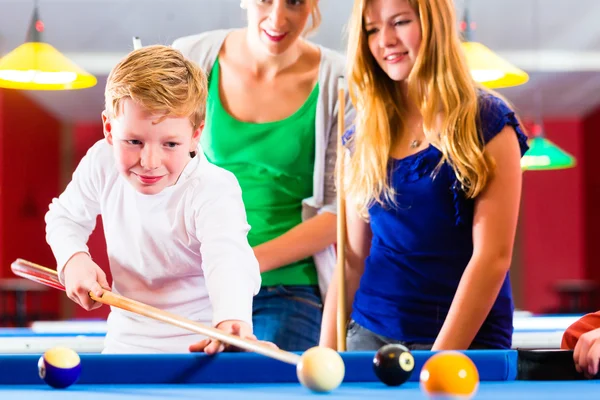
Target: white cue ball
321,369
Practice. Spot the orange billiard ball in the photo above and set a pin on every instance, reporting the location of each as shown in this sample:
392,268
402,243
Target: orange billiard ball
449,374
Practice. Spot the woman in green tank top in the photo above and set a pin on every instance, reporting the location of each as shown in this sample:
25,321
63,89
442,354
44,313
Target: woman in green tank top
271,120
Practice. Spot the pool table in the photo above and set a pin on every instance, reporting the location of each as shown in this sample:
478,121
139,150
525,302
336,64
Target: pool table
87,336
250,376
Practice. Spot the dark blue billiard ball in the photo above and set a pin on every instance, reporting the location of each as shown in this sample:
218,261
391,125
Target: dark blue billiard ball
59,367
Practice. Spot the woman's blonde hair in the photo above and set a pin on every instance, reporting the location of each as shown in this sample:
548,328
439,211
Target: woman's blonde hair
315,18
440,84
162,81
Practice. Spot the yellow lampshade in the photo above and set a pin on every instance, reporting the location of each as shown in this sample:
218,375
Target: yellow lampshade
39,66
491,70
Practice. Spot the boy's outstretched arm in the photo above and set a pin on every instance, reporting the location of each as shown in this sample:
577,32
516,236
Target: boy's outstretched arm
230,267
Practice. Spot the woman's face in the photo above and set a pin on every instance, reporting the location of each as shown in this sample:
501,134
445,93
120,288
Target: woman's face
277,24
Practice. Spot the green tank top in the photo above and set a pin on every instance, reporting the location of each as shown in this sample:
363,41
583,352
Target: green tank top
274,165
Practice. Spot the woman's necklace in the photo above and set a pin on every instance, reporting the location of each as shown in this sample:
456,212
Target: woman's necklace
415,143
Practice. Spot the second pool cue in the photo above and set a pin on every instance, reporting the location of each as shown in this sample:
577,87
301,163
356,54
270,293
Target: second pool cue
341,223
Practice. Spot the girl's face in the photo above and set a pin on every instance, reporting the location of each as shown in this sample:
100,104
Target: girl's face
394,36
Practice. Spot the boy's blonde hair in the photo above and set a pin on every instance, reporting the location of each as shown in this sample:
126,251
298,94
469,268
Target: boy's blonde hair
440,83
162,81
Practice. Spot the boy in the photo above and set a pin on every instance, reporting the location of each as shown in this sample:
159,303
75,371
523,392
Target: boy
175,224
583,336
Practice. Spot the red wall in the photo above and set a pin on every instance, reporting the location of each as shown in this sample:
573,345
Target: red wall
2,105
29,179
30,176
591,186
561,215
551,212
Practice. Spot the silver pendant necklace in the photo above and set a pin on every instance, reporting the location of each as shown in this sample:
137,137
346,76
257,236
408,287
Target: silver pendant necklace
415,143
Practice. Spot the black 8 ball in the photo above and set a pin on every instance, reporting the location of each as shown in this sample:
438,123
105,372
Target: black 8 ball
393,364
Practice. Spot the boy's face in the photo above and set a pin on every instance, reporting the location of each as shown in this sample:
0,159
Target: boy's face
150,151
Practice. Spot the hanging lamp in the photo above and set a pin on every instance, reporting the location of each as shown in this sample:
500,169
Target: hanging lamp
36,65
487,67
544,154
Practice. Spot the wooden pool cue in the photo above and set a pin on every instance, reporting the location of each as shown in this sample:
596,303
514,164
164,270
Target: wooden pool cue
341,223
49,277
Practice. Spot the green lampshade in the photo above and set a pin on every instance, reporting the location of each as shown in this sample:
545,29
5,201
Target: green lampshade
545,155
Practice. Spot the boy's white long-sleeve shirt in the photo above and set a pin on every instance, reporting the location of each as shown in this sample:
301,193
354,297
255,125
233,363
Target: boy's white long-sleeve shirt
184,250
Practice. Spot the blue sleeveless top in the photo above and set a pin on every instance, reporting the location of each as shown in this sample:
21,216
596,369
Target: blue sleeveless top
422,245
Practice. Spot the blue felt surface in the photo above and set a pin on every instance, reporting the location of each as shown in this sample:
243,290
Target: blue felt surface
493,365
512,390
26,332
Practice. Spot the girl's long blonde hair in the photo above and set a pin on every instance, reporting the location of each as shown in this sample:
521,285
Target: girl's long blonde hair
440,84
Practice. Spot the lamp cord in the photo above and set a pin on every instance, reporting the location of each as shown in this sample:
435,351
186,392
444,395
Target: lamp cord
538,95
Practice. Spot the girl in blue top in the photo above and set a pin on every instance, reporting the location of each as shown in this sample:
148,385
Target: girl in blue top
433,185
